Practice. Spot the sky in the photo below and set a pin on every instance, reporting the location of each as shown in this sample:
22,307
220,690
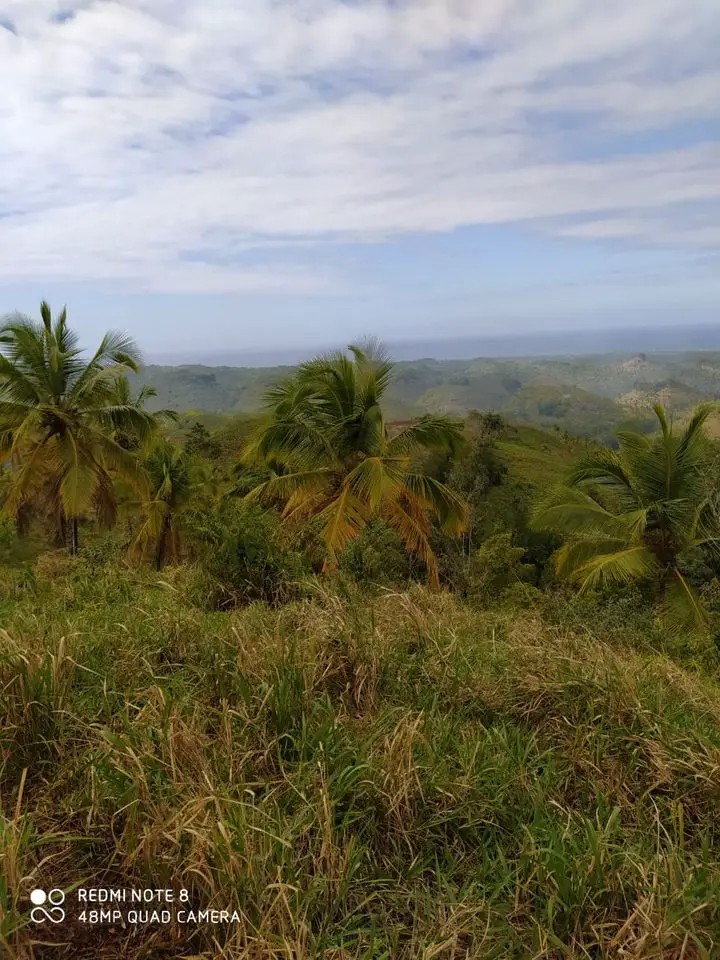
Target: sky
229,174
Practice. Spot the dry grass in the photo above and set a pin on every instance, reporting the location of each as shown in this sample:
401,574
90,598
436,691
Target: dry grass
393,777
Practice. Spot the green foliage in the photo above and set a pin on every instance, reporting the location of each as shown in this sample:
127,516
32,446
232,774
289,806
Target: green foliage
499,474
496,566
7,532
174,477
106,550
245,557
488,424
200,442
127,435
377,556
62,418
342,466
640,514
710,593
477,470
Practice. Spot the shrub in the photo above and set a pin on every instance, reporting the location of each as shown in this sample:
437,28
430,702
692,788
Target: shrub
103,549
495,567
711,595
377,556
245,557
478,470
200,442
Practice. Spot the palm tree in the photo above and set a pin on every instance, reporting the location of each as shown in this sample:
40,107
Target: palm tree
631,515
129,439
173,478
333,457
59,413
123,396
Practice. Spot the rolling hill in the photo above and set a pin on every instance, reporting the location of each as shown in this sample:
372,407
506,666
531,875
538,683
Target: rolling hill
590,395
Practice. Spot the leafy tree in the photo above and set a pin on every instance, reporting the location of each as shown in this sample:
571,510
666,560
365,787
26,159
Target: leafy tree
489,424
173,479
633,514
201,442
344,464
129,439
478,470
475,475
59,413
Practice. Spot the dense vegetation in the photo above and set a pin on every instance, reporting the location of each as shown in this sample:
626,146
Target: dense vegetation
336,461
432,688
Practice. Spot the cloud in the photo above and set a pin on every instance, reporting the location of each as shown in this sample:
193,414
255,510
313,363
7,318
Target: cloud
234,144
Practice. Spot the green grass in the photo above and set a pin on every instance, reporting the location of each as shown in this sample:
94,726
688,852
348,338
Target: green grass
21,552
393,776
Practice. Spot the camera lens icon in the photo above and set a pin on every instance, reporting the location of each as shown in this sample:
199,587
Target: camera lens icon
54,913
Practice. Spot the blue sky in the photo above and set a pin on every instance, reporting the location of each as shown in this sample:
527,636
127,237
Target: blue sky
213,174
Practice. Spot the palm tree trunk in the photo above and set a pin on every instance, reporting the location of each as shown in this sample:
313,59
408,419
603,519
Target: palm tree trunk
161,551
61,534
72,537
22,520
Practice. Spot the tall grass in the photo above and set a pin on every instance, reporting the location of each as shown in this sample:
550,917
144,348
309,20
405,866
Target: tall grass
361,777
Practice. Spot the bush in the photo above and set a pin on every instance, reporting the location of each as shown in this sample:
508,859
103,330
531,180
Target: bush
245,557
495,567
102,549
624,613
478,470
710,593
200,442
377,556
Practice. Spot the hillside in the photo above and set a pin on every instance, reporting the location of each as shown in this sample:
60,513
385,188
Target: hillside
535,456
210,389
400,777
672,394
584,395
376,692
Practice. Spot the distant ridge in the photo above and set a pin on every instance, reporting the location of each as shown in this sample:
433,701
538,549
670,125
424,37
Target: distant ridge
567,343
586,394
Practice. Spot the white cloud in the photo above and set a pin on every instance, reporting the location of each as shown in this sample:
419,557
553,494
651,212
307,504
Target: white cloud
136,133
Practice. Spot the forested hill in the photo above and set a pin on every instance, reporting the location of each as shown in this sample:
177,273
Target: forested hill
591,395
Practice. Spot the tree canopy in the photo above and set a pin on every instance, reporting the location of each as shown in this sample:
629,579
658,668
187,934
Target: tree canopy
59,415
337,462
633,514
